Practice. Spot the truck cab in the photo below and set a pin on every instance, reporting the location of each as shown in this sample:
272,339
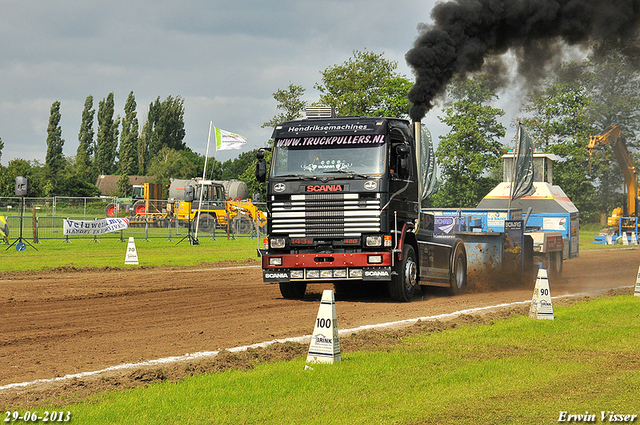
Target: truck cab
343,204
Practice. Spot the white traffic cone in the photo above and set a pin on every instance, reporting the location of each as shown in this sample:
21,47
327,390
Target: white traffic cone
634,239
541,307
131,256
625,241
325,341
637,291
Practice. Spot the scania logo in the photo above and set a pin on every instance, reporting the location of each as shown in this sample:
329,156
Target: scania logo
371,273
324,188
276,275
279,187
370,185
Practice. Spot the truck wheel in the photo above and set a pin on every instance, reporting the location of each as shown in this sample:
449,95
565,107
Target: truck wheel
241,225
555,265
207,223
403,284
111,210
139,208
293,290
458,280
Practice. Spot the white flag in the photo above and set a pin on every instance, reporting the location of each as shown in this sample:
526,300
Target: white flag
225,140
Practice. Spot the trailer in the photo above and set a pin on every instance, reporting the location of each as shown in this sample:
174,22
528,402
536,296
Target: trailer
550,225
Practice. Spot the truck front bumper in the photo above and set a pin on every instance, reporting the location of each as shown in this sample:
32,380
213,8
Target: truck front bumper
366,266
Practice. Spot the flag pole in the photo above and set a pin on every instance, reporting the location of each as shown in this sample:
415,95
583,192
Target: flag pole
204,173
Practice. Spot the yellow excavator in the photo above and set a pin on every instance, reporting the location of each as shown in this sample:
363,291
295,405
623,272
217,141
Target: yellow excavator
612,137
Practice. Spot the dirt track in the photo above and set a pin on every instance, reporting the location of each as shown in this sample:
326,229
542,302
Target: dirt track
63,322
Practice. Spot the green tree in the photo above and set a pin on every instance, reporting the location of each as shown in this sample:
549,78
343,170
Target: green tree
128,154
18,167
125,190
366,84
164,128
290,102
107,141
84,154
1,147
169,163
472,148
55,160
557,118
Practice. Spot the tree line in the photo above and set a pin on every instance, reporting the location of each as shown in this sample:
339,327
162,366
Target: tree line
112,144
574,101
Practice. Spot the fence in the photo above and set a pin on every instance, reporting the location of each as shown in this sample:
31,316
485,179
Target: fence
42,219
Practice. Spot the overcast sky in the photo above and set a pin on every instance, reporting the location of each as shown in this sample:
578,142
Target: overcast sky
224,58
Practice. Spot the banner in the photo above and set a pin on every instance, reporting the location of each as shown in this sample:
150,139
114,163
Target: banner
428,170
523,176
225,140
4,229
94,227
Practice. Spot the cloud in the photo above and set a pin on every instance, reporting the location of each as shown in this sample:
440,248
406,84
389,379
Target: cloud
225,58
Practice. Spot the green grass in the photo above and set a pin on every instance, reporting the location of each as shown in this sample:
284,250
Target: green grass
517,370
83,252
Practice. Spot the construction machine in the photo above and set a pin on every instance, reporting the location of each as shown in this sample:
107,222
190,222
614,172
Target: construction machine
146,206
217,203
625,220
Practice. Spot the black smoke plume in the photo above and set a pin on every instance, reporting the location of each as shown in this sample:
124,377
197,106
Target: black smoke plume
467,33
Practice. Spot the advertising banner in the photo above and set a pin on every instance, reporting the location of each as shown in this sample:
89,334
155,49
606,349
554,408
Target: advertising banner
94,227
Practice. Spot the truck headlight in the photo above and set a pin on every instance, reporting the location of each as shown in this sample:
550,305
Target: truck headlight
297,274
375,240
374,259
277,242
340,273
275,261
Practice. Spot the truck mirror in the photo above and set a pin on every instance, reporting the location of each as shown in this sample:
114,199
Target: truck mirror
261,167
403,152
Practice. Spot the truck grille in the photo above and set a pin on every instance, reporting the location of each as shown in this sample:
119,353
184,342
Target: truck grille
326,215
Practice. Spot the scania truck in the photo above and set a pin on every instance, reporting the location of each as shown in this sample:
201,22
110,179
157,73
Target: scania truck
343,201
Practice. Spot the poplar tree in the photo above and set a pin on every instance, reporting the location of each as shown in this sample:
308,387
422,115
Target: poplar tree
55,159
84,161
107,140
164,128
128,154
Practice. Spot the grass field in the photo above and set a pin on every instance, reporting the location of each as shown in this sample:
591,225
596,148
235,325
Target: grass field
81,253
506,371
513,371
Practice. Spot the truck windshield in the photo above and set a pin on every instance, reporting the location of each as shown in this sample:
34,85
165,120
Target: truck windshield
314,160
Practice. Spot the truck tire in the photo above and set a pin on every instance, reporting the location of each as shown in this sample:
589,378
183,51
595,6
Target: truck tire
138,208
458,280
555,265
111,210
207,223
241,225
403,283
293,290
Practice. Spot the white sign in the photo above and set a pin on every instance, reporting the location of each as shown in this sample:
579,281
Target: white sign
325,341
541,307
94,227
131,257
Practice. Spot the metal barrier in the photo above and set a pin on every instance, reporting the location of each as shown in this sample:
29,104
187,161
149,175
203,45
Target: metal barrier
42,219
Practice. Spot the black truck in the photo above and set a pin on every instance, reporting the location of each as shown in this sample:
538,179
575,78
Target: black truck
343,201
